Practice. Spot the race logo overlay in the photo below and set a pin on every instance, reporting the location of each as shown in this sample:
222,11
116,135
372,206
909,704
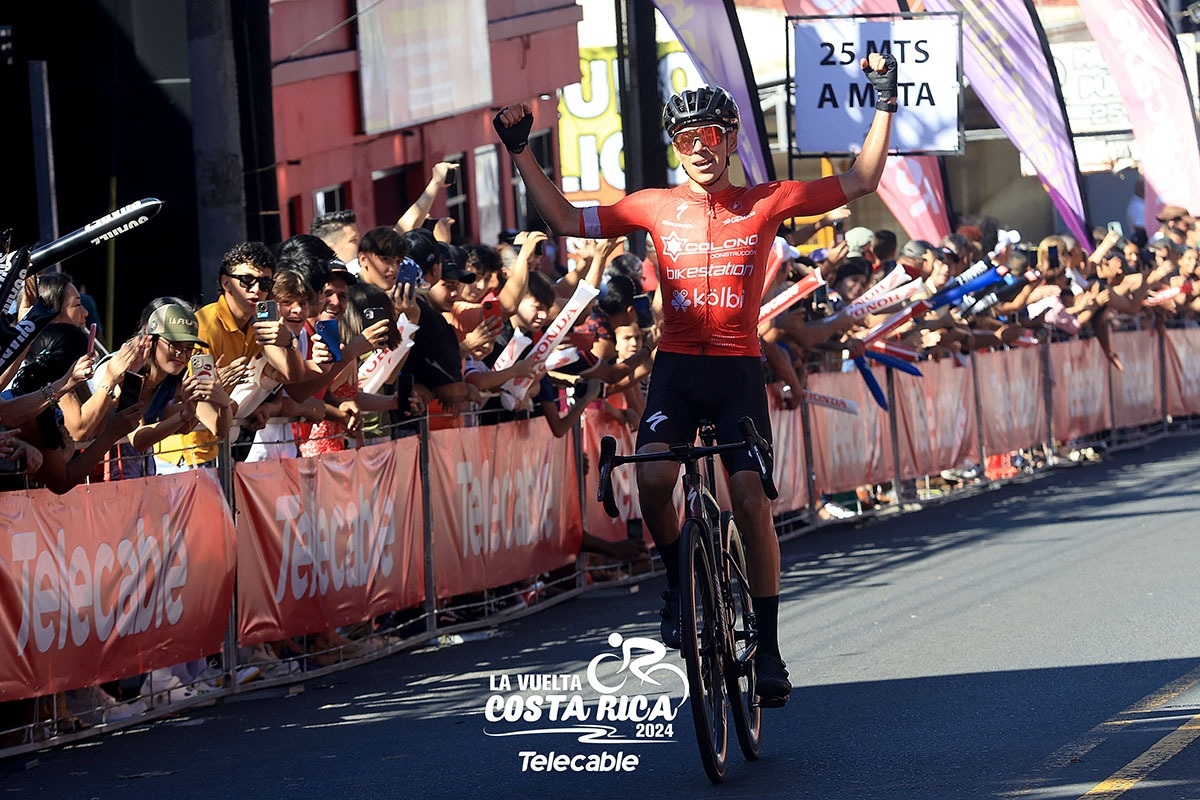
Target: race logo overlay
627,697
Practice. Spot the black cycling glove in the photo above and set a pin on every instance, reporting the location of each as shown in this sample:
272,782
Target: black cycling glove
515,138
884,83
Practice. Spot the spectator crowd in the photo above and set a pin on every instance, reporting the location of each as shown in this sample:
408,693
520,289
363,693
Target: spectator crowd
342,338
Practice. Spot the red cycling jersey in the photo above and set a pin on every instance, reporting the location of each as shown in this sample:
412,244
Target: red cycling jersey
712,254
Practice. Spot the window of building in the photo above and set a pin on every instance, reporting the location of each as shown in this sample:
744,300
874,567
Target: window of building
332,198
487,194
527,216
458,206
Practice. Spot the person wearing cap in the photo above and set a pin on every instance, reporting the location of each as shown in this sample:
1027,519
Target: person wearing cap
234,336
709,351
859,243
917,258
174,401
1174,222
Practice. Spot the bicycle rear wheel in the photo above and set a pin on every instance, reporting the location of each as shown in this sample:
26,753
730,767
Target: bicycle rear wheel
743,636
702,651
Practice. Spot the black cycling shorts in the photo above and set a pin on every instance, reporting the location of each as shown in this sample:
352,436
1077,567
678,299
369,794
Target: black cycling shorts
685,389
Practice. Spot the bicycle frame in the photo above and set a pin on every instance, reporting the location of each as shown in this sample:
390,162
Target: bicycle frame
718,654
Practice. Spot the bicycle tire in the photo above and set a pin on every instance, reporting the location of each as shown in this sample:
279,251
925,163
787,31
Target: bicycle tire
743,639
701,645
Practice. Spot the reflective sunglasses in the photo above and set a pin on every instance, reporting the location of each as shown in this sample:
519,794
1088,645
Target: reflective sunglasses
264,282
689,141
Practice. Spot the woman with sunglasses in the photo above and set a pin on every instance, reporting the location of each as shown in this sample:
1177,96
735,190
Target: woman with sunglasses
713,238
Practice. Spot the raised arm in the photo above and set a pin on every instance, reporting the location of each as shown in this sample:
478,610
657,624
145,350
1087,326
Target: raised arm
513,124
419,210
863,177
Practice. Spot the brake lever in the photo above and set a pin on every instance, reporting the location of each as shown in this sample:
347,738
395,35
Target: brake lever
761,452
604,492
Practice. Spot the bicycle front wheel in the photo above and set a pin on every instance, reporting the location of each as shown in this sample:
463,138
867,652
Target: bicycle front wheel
743,637
702,644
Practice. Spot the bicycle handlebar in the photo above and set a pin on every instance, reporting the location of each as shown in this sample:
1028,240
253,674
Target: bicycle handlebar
685,453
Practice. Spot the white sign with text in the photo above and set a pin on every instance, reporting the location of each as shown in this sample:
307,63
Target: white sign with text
835,101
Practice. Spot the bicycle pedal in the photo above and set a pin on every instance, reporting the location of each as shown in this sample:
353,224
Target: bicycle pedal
773,702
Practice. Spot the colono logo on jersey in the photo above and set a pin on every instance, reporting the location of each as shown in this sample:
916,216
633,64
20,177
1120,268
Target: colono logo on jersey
674,246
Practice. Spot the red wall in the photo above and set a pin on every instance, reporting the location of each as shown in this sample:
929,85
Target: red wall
318,119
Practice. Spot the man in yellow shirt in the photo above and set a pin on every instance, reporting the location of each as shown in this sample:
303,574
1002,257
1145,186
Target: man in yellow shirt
235,336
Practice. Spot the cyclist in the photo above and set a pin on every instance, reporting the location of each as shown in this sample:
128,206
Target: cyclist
713,239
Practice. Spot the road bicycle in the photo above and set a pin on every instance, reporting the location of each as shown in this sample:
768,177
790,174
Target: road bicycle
717,625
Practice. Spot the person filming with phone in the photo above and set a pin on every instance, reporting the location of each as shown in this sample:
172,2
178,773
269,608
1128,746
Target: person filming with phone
242,323
708,356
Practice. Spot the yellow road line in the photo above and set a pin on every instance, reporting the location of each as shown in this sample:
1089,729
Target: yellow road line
1075,751
1163,751
1157,699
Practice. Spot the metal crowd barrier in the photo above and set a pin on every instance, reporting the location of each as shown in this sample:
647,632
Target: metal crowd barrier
263,672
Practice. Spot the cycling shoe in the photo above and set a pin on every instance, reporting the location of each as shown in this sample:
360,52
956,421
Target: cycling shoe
771,681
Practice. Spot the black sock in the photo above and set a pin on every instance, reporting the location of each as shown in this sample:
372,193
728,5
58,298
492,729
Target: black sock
766,612
669,553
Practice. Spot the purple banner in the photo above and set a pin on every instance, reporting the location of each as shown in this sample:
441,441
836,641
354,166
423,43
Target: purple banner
711,35
1139,50
1005,61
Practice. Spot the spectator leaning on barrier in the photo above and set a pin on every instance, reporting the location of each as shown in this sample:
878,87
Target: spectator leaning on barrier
173,402
435,362
234,336
58,363
58,291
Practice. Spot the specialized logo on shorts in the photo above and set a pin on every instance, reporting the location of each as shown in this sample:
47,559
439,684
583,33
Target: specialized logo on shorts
655,419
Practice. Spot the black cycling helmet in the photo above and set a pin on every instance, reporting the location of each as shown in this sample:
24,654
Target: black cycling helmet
710,104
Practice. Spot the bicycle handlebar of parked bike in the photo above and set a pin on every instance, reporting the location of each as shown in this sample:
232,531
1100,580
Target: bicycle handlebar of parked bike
686,453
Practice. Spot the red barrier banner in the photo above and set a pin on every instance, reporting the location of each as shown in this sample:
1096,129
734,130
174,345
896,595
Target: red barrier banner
596,425
848,451
1080,388
1183,372
1137,392
1012,399
791,476
328,541
505,504
111,580
936,418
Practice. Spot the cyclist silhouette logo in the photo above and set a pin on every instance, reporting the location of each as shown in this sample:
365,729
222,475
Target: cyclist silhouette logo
643,667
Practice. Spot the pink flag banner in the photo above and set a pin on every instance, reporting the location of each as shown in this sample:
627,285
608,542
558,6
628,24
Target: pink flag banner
1005,60
711,35
1140,52
913,190
912,186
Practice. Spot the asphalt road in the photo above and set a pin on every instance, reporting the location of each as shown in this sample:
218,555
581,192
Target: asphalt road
1036,641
